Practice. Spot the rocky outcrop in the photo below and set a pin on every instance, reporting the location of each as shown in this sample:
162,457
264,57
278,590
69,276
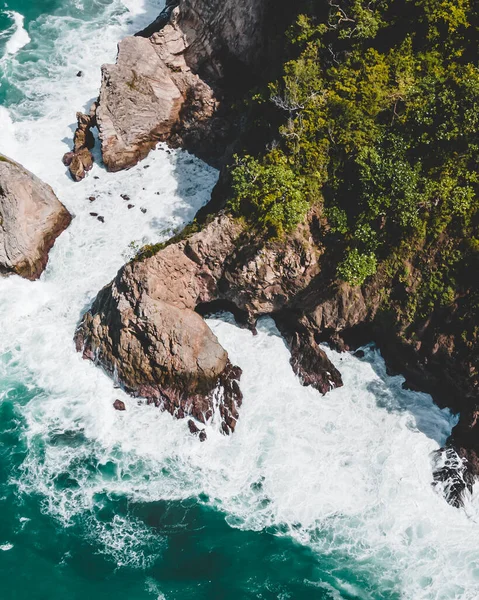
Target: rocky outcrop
141,97
31,218
435,356
80,159
173,85
143,327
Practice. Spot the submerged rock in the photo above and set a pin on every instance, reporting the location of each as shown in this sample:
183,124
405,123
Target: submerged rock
31,218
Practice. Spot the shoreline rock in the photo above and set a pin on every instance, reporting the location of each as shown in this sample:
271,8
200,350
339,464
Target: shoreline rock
143,328
178,79
146,93
31,218
80,160
173,83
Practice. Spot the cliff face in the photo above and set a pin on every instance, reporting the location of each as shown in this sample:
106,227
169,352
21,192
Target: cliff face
176,81
31,218
174,85
143,326
224,32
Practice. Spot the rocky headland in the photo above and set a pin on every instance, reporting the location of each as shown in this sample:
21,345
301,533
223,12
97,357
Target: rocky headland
173,82
31,218
177,80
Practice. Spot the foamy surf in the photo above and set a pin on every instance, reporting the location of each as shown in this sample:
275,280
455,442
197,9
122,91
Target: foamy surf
20,37
347,475
6,547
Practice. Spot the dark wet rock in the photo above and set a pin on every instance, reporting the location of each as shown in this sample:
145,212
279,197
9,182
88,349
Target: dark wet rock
67,158
452,475
92,198
143,210
119,405
130,206
31,218
101,219
195,430
80,74
359,354
311,364
192,427
94,214
457,465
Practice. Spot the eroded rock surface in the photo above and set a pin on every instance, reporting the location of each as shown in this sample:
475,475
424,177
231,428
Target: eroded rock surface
143,327
171,84
31,218
80,160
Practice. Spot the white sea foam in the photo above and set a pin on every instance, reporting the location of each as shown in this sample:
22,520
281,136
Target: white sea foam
348,474
17,34
6,547
124,539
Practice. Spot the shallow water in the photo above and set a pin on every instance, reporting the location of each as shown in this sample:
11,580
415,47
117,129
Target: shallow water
312,498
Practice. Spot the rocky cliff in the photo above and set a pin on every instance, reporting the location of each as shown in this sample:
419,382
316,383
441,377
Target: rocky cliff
176,81
173,82
143,327
31,218
225,266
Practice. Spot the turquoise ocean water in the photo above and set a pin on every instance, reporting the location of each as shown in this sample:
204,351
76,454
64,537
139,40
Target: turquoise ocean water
312,498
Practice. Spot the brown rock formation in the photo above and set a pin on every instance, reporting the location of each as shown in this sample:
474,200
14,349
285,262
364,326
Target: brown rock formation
435,356
80,159
143,327
171,81
31,218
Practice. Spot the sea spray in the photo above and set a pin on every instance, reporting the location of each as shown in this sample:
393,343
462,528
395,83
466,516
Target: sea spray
20,37
347,476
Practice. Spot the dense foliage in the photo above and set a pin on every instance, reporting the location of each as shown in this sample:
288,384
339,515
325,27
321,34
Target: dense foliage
381,127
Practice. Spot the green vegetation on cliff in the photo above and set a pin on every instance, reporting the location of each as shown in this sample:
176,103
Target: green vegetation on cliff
380,105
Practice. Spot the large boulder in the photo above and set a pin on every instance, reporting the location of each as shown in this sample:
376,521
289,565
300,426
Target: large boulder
177,80
31,218
146,330
143,94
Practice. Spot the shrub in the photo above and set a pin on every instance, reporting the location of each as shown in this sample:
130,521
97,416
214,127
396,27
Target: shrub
357,267
268,193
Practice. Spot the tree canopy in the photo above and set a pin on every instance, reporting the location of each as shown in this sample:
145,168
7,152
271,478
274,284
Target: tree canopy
380,126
